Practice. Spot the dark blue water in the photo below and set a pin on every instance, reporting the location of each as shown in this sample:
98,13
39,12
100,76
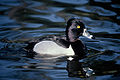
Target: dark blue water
23,20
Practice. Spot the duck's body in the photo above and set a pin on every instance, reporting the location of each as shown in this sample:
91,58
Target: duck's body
71,45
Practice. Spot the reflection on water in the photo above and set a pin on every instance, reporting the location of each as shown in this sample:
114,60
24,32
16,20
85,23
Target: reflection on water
23,20
77,69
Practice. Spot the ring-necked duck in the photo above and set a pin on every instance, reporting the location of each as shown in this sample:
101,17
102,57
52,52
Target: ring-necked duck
64,46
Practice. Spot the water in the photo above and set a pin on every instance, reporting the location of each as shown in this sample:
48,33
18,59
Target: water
23,20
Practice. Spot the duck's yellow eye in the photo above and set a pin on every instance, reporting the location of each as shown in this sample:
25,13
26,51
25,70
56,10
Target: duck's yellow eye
78,26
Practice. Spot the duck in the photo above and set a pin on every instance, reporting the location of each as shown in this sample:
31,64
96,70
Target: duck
69,45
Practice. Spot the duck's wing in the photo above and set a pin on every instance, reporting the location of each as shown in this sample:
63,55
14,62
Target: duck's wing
64,43
60,40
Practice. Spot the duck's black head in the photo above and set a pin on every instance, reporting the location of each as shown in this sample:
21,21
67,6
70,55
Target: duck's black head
74,29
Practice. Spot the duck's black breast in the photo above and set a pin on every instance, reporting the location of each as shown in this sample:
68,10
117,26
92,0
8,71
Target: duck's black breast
79,48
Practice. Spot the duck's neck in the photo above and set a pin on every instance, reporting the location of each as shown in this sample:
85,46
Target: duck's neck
79,48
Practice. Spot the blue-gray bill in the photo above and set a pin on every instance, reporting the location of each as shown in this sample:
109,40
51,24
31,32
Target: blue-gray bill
86,34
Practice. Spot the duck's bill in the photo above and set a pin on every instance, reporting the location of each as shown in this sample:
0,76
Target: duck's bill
86,34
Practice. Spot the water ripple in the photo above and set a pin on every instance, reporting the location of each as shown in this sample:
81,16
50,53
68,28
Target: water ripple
23,20
98,10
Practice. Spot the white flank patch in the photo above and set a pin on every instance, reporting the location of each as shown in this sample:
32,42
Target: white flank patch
51,48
